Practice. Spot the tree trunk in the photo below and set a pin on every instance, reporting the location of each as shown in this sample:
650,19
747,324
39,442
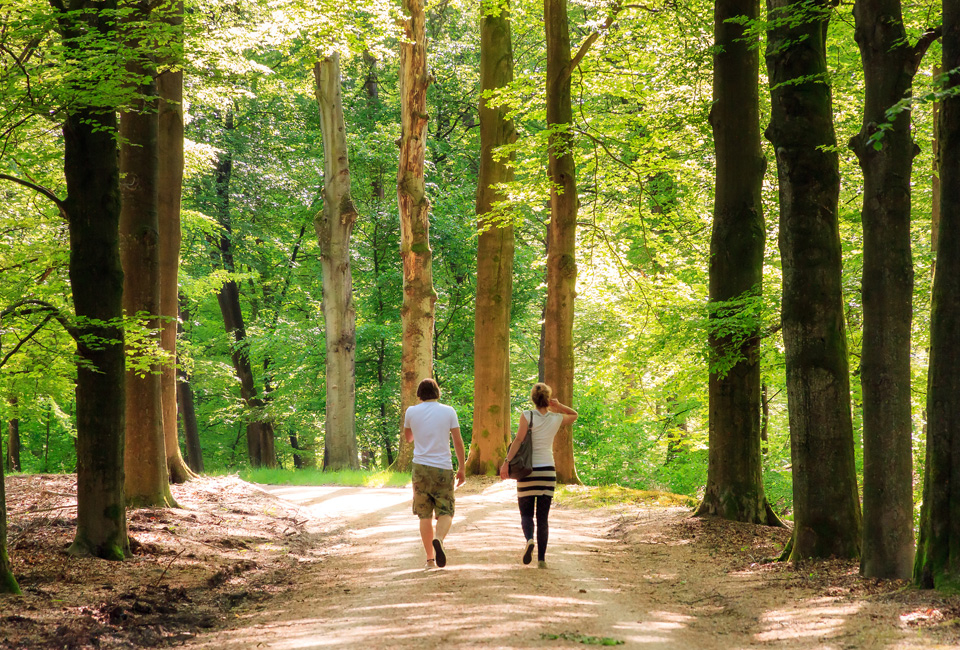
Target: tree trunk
562,238
8,582
170,182
491,375
889,65
260,439
826,504
144,457
186,407
419,298
92,208
735,471
938,549
334,227
12,459
935,177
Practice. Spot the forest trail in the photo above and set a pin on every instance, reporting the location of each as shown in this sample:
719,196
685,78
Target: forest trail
633,575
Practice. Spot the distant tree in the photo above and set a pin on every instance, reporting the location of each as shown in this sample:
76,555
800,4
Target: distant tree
495,248
186,408
12,459
734,475
419,297
334,226
147,482
937,561
885,149
825,499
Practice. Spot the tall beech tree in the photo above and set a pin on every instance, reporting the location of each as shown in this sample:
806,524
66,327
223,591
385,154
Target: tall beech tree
886,158
334,226
92,208
419,297
557,352
147,482
825,499
495,248
734,475
169,190
938,548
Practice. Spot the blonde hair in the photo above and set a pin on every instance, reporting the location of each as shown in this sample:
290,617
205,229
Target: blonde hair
540,395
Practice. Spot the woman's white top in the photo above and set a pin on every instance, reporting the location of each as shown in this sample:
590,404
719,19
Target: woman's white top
544,430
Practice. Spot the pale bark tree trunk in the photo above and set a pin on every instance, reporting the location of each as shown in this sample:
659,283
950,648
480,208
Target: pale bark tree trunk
491,375
735,470
145,463
170,173
562,255
419,298
938,549
889,64
334,227
826,504
92,208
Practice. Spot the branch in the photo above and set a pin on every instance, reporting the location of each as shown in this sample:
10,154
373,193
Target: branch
22,341
928,38
40,306
40,189
591,39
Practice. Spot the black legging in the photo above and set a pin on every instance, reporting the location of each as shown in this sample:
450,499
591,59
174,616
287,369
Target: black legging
526,521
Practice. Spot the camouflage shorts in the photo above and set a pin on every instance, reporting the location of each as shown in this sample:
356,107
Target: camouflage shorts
432,490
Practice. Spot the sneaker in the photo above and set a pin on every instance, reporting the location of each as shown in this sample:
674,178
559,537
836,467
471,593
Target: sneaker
541,564
431,564
528,552
441,556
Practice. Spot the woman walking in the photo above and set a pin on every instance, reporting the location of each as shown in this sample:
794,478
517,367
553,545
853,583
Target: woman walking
535,492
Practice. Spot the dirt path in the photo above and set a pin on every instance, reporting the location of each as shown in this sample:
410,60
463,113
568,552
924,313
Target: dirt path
635,575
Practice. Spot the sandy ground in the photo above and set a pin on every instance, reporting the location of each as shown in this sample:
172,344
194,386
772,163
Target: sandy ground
629,575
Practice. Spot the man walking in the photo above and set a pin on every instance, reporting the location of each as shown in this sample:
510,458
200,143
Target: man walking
429,426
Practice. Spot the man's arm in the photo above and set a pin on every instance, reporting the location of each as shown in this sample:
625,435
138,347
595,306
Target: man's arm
461,462
408,434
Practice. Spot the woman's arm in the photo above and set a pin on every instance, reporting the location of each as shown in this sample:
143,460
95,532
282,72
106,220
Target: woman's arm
569,415
521,434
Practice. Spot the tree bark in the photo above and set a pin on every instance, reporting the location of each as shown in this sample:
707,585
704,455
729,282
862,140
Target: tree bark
938,549
186,408
419,298
562,255
889,64
261,448
8,582
12,459
144,457
170,183
334,226
491,378
92,208
735,469
826,504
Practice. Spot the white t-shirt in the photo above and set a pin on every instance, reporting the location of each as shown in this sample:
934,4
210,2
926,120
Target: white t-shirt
544,430
431,423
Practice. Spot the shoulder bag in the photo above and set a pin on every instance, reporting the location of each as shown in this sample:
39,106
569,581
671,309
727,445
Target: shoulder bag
522,464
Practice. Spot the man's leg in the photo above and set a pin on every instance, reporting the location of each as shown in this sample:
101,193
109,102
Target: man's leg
426,534
443,526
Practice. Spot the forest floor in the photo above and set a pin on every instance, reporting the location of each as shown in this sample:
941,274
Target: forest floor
244,566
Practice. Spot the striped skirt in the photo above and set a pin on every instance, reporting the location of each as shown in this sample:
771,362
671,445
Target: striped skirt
540,482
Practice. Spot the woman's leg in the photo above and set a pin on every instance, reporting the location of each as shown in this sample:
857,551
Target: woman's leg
526,515
543,528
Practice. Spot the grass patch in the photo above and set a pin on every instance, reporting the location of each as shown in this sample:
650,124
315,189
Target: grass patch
350,477
588,496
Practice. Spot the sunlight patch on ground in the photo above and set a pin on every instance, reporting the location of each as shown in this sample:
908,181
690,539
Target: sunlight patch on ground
653,631
818,618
